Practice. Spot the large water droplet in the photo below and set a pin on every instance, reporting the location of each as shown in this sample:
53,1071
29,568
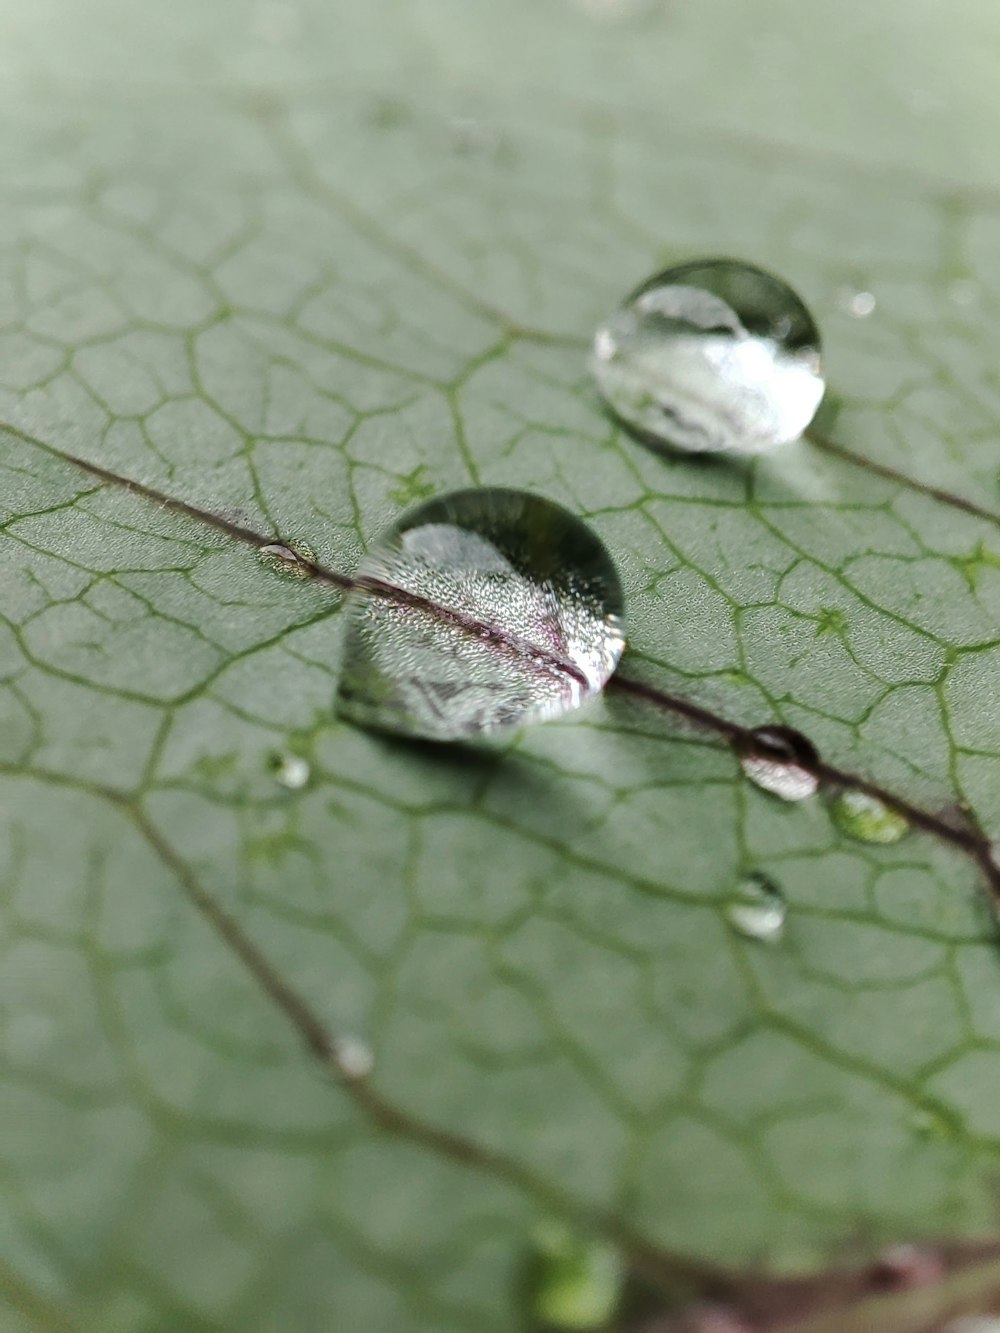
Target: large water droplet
575,1282
866,818
480,610
757,909
713,356
781,760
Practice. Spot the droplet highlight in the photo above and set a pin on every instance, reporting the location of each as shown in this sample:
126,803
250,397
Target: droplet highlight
866,818
715,356
354,1057
292,559
575,1282
857,304
782,761
290,771
757,909
480,610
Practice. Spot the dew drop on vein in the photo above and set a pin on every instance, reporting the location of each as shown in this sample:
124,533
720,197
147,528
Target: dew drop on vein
292,559
757,909
479,610
714,356
782,761
866,818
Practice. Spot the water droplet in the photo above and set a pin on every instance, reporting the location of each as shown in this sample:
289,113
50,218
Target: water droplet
354,1057
575,1282
290,558
480,610
291,771
857,304
865,817
907,1266
713,356
781,760
757,909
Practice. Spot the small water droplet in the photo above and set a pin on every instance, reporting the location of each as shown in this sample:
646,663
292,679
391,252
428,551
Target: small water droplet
713,356
902,1267
857,304
291,771
866,818
354,1057
781,760
575,1281
757,909
290,558
480,610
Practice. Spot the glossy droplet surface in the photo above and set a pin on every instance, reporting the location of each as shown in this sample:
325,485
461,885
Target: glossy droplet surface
290,770
715,356
480,610
575,1282
780,760
865,817
293,559
354,1057
757,909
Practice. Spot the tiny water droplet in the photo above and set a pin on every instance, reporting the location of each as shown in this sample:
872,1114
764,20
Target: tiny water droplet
290,558
757,909
575,1282
866,818
857,304
781,760
354,1057
902,1267
712,356
480,610
291,771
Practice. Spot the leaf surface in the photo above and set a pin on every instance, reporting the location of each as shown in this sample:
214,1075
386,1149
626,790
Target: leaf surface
300,266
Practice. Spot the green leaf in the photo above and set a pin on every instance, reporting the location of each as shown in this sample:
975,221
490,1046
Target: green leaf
299,266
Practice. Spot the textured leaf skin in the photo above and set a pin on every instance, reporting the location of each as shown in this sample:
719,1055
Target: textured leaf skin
303,267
